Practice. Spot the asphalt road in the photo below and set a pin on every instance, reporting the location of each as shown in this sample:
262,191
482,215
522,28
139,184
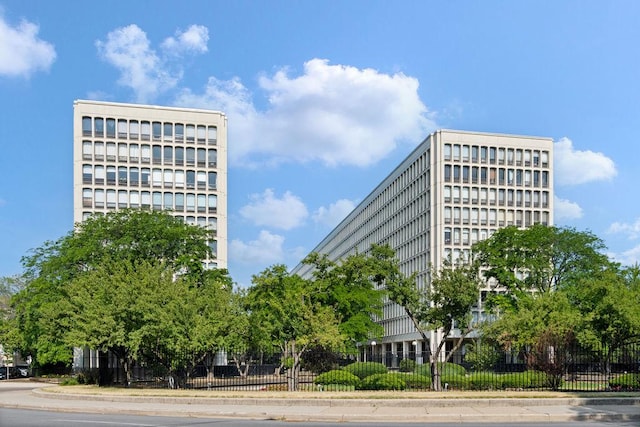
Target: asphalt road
31,418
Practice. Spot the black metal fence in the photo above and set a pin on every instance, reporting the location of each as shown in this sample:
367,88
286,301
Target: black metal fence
571,369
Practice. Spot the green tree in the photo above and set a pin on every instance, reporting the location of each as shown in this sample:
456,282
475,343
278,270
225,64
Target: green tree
350,290
538,259
127,236
610,308
543,327
444,304
122,306
284,312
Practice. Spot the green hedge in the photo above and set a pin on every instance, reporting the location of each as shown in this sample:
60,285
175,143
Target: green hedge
448,369
337,376
407,365
509,381
365,369
626,382
391,381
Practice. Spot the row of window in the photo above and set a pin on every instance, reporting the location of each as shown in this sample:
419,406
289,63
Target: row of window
147,177
496,155
145,153
493,196
493,217
499,176
99,127
177,202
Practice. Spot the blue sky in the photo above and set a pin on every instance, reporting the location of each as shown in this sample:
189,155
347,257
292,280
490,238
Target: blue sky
324,99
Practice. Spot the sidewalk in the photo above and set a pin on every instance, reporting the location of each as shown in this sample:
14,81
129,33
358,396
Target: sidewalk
280,406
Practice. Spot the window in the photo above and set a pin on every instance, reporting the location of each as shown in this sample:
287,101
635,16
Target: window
456,152
87,197
123,199
99,172
134,153
98,127
212,135
179,156
134,199
179,179
168,178
474,153
213,203
87,150
122,128
447,215
157,154
134,129
145,131
492,155
191,133
202,157
111,175
191,179
202,131
111,199
156,128
122,175
191,156
145,153
213,158
179,128
157,200
447,194
447,173
545,179
179,201
156,177
202,203
168,131
99,198
447,236
86,126
168,155
134,176
191,202
201,179
145,199
168,201
87,174
123,153
447,151
111,151
111,133
145,174
465,153
99,150
501,154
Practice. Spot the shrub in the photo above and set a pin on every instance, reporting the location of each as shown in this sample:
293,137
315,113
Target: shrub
364,369
337,387
449,369
382,382
481,357
457,382
407,365
485,380
88,376
319,359
627,382
415,381
69,381
337,376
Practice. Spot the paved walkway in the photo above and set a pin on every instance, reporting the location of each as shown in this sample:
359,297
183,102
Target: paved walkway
31,395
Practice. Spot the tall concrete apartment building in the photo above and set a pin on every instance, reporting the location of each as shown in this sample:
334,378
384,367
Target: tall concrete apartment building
454,189
145,156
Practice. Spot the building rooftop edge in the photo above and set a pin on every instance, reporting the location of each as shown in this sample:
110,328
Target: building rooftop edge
147,106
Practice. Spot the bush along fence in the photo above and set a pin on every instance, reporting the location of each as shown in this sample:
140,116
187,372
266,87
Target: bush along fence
572,369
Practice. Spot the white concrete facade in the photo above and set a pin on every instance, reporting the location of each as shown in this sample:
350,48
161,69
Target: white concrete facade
454,189
146,156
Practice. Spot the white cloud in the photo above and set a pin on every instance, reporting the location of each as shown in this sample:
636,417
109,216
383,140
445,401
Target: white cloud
566,209
21,51
573,167
141,67
631,230
194,39
266,250
627,258
335,114
335,213
266,209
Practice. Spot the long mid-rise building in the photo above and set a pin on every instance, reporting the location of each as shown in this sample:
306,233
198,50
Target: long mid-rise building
454,189
146,156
